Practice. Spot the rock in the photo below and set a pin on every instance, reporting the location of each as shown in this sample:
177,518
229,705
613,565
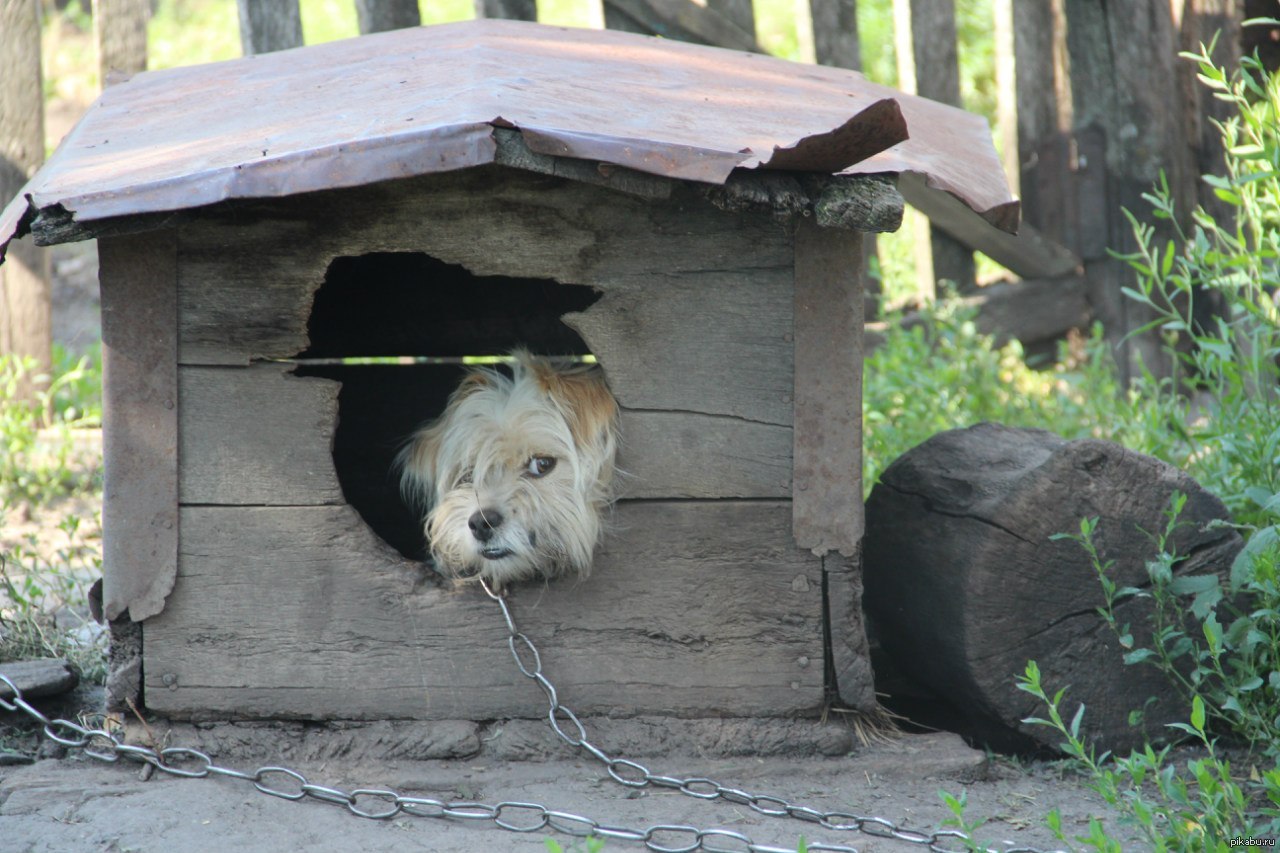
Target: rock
964,585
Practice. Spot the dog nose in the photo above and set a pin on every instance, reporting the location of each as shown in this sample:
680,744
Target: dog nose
483,522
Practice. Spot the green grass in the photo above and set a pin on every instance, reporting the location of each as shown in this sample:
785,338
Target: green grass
44,464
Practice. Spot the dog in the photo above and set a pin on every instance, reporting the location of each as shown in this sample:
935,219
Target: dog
515,476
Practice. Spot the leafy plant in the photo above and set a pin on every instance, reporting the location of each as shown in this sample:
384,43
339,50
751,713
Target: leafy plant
1223,404
37,436
1234,671
943,373
1200,806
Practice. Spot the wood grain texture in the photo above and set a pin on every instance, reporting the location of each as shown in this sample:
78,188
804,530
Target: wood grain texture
683,455
966,585
827,438
260,436
138,276
694,609
689,291
256,435
850,651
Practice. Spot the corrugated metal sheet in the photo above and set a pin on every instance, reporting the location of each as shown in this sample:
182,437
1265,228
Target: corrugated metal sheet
410,102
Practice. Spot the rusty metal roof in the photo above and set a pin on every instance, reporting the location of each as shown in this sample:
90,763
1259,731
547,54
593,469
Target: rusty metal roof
423,100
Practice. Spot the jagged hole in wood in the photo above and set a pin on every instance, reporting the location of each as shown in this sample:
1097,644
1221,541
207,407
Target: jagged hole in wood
410,305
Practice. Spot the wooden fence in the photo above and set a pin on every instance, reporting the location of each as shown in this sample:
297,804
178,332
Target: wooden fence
1093,105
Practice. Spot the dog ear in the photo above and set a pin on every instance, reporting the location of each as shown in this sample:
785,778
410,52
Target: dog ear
587,404
419,460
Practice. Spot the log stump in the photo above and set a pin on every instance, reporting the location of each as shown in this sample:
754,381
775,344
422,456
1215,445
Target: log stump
964,585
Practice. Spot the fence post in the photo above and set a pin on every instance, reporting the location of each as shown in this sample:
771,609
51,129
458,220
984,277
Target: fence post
925,37
26,318
516,10
269,25
835,33
1129,124
120,31
378,16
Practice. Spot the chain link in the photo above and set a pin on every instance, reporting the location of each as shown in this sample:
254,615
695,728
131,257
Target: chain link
523,817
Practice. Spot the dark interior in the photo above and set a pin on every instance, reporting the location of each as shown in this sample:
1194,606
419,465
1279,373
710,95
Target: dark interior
412,305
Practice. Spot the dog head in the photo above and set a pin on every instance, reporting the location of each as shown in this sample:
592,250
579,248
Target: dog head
515,475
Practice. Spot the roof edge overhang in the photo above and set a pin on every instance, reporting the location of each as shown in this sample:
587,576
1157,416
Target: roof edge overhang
109,177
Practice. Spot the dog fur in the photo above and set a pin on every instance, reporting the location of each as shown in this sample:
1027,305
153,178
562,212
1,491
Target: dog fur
516,474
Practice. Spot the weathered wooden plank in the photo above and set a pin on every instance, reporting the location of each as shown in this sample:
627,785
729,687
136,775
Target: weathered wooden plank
256,436
269,25
259,436
850,652
138,280
1042,97
688,290
377,16
683,455
1027,253
713,343
26,312
1031,311
301,612
827,437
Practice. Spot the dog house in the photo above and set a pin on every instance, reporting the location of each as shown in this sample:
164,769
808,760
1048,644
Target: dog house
299,249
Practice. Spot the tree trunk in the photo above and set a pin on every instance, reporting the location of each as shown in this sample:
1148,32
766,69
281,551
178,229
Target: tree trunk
25,300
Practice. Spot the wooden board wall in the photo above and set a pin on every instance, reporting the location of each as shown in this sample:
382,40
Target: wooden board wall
288,605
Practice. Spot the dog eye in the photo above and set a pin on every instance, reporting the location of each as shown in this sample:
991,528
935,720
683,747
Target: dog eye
540,466
465,478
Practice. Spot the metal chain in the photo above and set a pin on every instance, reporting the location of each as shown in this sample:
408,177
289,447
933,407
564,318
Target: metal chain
512,816
635,775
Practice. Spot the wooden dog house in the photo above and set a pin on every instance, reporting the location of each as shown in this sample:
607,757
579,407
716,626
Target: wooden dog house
691,216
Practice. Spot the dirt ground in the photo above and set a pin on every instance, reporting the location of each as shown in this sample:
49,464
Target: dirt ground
75,805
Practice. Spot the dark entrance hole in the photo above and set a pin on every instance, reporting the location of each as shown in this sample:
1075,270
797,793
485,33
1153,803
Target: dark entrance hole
411,306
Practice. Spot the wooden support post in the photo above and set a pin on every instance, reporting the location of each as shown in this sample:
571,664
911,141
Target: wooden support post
925,36
140,422
25,301
120,31
377,16
826,504
269,25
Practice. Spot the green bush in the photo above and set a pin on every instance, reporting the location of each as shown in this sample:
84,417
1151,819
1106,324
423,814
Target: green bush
39,459
944,374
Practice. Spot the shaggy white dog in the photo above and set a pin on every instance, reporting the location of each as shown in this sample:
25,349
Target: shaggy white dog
516,473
